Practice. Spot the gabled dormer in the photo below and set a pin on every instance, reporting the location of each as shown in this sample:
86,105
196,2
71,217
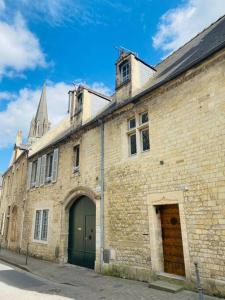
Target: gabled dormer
131,75
85,103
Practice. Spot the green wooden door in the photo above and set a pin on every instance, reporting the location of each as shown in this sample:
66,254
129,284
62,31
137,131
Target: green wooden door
81,250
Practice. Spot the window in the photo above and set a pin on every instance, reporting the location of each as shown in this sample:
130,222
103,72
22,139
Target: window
125,71
41,225
131,123
140,132
79,102
44,229
49,164
132,136
76,165
132,144
37,225
143,118
34,173
145,143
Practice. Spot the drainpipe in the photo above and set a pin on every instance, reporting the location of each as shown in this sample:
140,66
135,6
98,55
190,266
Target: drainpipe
102,195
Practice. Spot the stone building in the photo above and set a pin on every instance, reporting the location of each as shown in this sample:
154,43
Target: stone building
132,184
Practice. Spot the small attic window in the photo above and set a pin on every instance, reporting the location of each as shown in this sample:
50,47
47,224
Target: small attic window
79,102
124,71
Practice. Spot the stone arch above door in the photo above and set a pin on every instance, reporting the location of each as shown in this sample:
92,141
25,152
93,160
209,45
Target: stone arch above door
78,192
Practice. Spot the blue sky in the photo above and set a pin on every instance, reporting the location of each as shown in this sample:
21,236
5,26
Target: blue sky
66,41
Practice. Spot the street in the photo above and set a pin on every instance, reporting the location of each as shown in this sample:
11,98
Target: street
19,285
55,282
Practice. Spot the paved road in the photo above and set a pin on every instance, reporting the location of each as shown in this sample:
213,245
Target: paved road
19,285
71,282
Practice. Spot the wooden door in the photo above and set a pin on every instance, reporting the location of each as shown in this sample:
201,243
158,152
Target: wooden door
81,248
172,240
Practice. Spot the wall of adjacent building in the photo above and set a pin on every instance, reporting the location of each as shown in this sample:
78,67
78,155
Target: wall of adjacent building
13,196
56,196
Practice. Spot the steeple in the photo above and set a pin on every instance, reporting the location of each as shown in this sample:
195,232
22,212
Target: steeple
39,124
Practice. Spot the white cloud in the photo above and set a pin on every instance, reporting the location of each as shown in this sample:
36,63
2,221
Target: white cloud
20,111
20,49
6,96
101,88
56,12
2,5
179,25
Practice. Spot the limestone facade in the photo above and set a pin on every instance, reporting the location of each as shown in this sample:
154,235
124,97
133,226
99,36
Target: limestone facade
185,165
13,201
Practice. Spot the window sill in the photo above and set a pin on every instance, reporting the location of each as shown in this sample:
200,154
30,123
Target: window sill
40,242
121,84
76,173
133,155
145,151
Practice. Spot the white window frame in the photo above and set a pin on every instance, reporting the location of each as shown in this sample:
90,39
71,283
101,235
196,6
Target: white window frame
140,118
137,130
125,64
40,227
129,137
33,180
132,128
47,177
141,136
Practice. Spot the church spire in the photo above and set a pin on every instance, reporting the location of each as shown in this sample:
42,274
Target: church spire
39,125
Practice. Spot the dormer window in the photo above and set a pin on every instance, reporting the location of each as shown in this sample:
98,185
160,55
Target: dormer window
124,71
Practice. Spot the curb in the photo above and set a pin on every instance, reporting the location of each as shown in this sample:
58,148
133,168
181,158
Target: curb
15,264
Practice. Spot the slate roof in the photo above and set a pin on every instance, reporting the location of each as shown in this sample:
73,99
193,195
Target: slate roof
207,42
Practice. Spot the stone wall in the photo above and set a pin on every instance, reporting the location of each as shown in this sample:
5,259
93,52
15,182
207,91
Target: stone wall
14,196
187,129
54,196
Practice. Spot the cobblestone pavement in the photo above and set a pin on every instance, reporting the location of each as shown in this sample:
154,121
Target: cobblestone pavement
78,283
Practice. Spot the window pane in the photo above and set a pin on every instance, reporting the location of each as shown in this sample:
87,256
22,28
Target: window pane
144,118
34,172
44,227
125,71
145,139
77,156
131,123
49,165
79,103
37,225
133,144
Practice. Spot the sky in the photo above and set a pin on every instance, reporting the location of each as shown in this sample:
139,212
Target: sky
64,42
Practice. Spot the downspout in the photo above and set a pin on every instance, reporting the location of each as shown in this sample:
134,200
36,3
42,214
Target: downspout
102,195
23,214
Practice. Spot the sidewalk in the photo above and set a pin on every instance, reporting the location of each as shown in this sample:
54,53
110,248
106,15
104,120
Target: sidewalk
89,285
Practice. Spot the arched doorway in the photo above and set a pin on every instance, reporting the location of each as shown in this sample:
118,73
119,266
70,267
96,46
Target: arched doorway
81,244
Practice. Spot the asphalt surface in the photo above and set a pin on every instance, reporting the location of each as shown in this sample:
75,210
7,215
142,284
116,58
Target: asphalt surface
20,285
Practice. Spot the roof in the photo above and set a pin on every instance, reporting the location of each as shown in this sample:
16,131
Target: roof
206,43
198,48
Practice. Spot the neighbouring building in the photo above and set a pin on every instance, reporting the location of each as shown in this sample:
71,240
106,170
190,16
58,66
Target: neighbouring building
132,184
